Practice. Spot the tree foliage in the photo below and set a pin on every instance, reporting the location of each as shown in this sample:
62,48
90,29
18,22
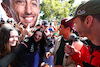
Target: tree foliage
57,9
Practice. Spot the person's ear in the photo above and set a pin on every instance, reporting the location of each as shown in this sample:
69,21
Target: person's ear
68,28
5,7
89,21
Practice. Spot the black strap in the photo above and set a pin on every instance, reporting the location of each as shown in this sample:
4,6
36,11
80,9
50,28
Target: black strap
87,65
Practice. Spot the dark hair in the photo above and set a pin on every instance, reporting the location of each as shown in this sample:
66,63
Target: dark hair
44,22
4,40
7,2
5,48
43,40
95,16
50,23
40,29
38,25
82,18
67,26
64,26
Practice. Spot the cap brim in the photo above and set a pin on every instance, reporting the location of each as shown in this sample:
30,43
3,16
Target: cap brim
71,19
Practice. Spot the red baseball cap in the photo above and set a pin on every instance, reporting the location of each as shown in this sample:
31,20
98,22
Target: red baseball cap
65,22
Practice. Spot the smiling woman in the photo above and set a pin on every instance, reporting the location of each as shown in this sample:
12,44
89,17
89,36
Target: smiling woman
36,47
8,41
31,49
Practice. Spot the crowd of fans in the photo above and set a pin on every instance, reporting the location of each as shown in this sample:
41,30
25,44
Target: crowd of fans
51,37
24,44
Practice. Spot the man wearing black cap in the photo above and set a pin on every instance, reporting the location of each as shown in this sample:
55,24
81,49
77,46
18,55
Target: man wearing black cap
87,24
60,59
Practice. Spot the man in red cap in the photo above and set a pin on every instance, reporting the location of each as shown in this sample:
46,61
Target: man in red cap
60,59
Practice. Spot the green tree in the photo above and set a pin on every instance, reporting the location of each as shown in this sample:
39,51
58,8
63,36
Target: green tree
58,9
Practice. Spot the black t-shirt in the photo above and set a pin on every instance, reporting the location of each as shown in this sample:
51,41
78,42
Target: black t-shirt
60,53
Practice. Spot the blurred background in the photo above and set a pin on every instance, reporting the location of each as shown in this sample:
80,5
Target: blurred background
52,10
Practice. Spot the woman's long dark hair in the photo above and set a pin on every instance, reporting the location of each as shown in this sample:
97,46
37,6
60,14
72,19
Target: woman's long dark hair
5,48
43,40
4,41
43,44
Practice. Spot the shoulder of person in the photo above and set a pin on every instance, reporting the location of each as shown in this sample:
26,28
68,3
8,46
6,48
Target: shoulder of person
58,38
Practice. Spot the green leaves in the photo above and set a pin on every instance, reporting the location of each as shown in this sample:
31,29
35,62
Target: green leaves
56,8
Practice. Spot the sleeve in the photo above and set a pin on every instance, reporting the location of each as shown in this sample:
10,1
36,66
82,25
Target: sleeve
6,60
57,42
81,55
76,58
52,50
